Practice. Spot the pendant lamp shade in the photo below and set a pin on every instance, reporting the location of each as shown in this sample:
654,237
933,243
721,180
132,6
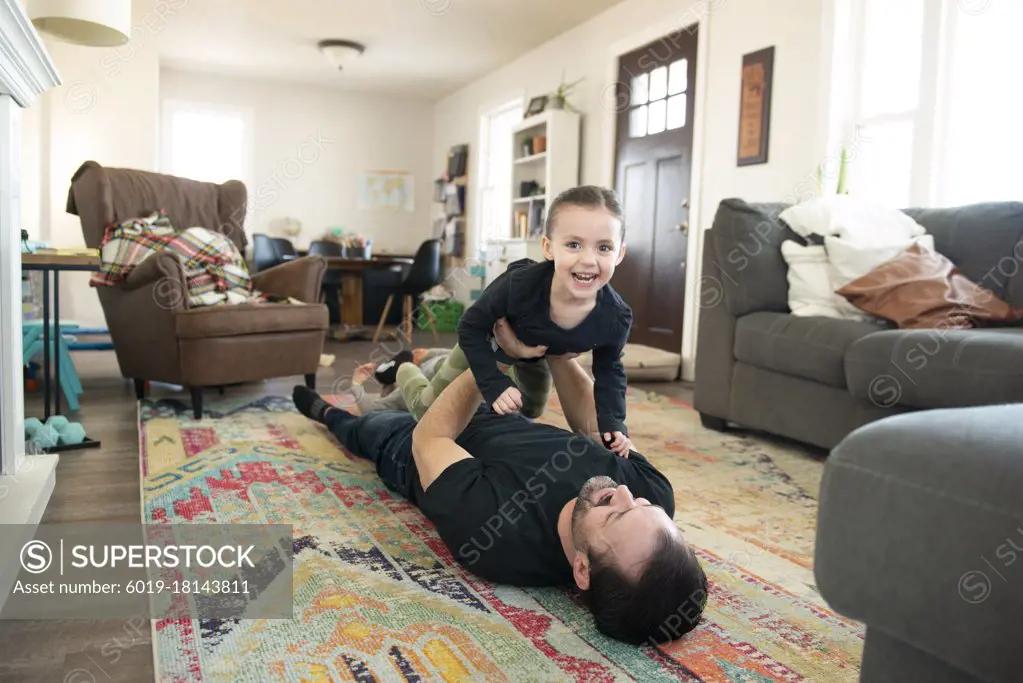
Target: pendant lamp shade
95,23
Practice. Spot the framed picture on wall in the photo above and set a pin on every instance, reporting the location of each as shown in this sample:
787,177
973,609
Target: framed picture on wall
536,105
755,107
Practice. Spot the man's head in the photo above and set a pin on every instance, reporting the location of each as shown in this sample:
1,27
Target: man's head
638,576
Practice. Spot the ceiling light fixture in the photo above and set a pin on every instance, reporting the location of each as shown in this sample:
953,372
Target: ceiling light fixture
94,23
341,52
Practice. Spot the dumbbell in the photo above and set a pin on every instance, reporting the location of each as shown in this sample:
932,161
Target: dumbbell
72,433
56,430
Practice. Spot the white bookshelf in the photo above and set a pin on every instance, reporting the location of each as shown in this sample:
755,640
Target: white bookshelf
554,169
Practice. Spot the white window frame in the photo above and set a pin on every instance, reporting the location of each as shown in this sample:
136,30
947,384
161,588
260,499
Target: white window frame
486,187
930,118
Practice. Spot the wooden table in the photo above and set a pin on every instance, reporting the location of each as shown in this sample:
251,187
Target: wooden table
351,281
352,270
47,263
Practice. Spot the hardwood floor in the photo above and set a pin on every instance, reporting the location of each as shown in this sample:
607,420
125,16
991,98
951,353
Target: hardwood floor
102,485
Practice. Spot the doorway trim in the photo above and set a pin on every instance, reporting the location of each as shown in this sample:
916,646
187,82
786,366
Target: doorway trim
698,15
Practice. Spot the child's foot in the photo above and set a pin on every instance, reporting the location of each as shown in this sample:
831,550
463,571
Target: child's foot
387,372
310,404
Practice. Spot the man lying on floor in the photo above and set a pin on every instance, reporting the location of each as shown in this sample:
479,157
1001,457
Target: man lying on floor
529,504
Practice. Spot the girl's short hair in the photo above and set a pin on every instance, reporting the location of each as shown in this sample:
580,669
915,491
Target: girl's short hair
585,196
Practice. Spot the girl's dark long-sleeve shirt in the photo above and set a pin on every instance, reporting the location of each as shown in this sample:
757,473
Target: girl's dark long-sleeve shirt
522,294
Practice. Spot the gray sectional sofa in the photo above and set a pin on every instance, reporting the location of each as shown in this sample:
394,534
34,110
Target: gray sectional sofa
816,379
920,538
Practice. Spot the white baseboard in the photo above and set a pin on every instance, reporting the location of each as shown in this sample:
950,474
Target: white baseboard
23,499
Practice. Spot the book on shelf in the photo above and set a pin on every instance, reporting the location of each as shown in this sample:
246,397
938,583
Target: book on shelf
536,218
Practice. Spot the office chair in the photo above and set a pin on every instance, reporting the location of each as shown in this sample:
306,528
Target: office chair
422,275
264,253
283,247
331,287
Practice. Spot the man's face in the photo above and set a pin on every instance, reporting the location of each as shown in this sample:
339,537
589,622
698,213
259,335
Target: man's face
608,521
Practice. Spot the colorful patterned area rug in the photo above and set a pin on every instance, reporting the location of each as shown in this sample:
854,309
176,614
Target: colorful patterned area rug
379,598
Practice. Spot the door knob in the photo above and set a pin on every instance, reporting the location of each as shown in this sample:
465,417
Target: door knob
685,203
682,227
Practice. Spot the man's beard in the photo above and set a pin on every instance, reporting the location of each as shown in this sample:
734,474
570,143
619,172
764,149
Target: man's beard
583,505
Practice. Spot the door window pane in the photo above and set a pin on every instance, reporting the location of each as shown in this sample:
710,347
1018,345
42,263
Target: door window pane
637,122
639,90
676,111
880,167
656,122
678,77
892,43
658,83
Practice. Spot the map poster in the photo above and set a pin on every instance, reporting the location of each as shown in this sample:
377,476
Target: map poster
385,191
755,106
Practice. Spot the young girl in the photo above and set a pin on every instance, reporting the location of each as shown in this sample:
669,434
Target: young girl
563,304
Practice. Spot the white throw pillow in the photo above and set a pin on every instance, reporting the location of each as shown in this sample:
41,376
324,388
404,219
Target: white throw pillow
850,260
853,219
811,284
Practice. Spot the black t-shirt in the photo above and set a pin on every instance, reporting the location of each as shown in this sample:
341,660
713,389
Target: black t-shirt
498,511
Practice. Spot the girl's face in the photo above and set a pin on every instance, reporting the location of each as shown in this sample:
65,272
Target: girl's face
586,246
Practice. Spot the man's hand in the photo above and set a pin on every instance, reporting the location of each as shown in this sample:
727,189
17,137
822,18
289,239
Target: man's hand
508,402
511,344
618,443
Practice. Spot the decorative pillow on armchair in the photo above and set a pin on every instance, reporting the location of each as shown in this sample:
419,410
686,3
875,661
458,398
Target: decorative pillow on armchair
922,289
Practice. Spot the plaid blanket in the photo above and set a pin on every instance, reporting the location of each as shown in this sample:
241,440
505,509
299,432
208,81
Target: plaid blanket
215,272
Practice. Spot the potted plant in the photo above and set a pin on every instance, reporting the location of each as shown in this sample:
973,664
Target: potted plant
559,98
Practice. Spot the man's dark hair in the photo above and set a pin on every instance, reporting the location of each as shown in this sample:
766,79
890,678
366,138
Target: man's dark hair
664,604
586,196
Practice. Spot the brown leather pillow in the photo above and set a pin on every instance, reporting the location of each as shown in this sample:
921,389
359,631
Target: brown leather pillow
922,289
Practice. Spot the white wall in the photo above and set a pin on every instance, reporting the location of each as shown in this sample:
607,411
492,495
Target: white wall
730,28
344,133
104,110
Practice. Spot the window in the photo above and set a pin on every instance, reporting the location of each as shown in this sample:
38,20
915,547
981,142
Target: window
931,121
658,99
206,142
496,170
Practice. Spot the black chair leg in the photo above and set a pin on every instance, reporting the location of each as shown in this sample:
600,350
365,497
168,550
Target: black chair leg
140,389
310,380
197,402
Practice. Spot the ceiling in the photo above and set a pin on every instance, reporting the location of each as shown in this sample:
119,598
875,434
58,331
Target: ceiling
422,48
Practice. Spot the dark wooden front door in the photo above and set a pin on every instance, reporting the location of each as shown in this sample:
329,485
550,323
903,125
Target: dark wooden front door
653,164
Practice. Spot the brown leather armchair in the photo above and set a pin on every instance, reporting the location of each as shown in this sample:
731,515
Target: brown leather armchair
156,335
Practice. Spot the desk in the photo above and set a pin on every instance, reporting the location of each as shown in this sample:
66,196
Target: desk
48,263
351,280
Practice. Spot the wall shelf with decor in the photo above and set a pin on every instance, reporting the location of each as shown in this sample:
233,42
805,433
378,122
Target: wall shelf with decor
545,163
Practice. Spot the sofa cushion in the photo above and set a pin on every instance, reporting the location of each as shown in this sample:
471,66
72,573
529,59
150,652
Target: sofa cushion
921,289
984,240
937,368
745,243
809,347
812,283
230,321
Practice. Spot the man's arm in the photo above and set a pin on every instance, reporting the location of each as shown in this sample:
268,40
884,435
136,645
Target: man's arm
433,440
575,391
